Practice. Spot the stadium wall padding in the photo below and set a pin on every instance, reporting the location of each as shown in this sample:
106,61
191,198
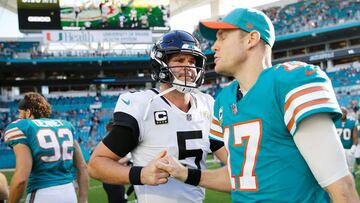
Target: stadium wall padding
7,159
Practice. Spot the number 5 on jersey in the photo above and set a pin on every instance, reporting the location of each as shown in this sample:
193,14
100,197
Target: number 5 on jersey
48,139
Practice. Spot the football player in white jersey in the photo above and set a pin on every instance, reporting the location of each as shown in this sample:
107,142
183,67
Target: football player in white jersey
175,118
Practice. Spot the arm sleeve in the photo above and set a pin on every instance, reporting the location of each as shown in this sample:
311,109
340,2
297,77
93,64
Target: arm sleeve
126,120
317,141
304,90
215,145
121,140
124,136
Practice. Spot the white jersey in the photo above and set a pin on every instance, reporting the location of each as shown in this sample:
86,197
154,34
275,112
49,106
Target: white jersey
184,135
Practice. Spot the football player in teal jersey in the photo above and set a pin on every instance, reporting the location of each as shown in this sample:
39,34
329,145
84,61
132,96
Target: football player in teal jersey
45,153
276,122
347,130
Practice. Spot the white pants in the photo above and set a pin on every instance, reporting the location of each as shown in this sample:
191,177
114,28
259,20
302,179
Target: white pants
357,152
56,194
350,159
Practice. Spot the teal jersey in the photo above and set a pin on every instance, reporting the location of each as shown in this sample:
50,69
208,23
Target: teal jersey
52,146
345,130
264,163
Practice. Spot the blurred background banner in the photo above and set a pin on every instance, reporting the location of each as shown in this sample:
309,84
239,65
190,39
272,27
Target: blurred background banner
121,36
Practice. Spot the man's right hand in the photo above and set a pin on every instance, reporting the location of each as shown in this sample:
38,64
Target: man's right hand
151,175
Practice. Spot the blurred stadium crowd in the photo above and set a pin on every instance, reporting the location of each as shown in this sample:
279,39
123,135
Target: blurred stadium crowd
306,15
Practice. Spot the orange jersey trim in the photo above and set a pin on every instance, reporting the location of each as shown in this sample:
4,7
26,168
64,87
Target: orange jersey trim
303,106
216,133
10,131
16,136
215,122
302,92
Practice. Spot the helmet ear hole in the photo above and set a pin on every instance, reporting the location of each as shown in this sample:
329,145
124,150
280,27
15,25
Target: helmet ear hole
165,75
154,76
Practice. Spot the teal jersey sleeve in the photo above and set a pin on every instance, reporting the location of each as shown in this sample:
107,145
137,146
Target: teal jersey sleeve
15,133
304,90
216,131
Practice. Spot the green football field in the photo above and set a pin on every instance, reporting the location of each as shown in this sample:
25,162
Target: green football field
97,194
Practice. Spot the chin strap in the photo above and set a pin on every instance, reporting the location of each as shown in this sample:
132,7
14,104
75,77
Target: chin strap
152,99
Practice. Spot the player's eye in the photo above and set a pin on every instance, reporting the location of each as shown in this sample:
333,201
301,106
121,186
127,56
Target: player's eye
192,62
180,60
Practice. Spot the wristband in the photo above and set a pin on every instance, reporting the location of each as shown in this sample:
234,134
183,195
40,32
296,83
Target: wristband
135,175
194,176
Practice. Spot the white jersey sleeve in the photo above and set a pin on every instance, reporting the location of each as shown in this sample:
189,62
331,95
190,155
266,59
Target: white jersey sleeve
129,103
132,104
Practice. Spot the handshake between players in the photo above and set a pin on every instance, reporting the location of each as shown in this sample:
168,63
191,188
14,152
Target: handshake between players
164,166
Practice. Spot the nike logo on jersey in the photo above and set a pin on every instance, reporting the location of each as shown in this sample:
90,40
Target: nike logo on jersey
127,102
308,73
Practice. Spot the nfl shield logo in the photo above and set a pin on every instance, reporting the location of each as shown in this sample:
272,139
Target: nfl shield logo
234,109
188,117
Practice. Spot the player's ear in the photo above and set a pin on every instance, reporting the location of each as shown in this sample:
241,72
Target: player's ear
28,113
254,38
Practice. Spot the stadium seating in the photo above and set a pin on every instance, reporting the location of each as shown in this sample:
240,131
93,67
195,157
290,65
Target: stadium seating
304,16
31,50
89,115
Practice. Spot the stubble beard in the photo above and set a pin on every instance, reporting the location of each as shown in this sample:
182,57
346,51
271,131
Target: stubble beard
222,70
